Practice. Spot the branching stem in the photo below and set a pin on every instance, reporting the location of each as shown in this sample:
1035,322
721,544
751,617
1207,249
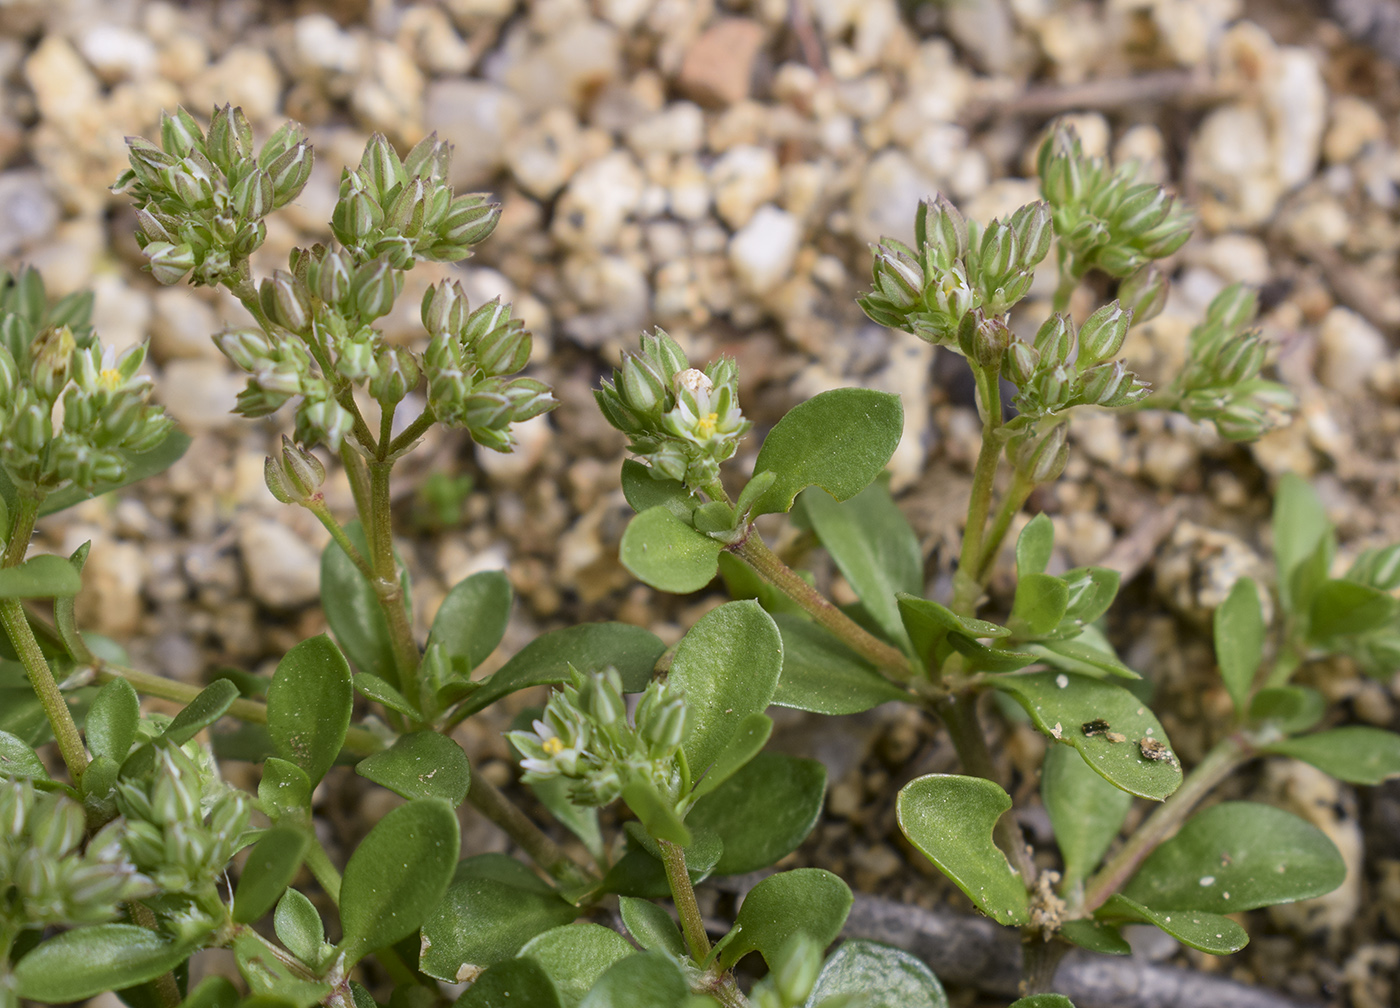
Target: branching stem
487,799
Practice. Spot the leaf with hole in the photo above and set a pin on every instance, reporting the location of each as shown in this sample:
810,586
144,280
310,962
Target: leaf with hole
1238,856
308,705
1061,704
397,876
950,819
838,440
809,900
494,906
888,977
764,812
1207,932
422,764
1355,754
822,675
1085,810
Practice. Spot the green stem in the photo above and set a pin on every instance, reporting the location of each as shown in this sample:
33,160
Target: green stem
1010,506
411,433
888,658
487,799
683,895
326,874
387,586
386,428
1219,763
967,588
1040,959
166,988
1069,280
357,472
959,713
21,530
70,743
317,506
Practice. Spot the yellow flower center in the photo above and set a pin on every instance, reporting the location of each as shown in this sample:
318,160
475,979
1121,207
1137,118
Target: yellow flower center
110,377
705,426
552,746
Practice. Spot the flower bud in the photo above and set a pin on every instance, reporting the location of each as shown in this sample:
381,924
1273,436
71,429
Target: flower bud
1099,384
169,263
179,134
898,277
1089,233
405,213
1238,360
1020,363
1055,340
1233,308
356,360
470,219
252,197
939,225
283,139
1168,236
149,163
355,217
326,421
380,166
999,252
640,386
294,476
799,962
1034,230
1143,207
248,240
285,302
376,285
1144,293
430,159
56,826
1042,458
1053,385
665,352
398,375
248,348
1102,334
990,340
51,361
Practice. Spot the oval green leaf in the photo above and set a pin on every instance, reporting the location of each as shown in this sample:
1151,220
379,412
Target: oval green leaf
888,977
838,440
763,812
950,818
1061,704
644,490
1239,640
43,576
1085,810
668,554
472,618
574,956
1356,754
511,984
397,876
748,739
299,927
822,675
1238,856
423,764
18,760
1039,605
285,789
86,961
651,926
111,721
1201,930
1034,545
1096,936
727,666
272,864
1287,709
1341,607
206,708
376,689
647,980
308,705
494,906
809,900
352,608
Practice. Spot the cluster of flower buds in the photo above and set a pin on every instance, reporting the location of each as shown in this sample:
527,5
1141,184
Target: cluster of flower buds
201,197
469,355
586,738
182,823
1103,217
955,269
1220,381
682,421
1065,367
402,209
71,413
49,880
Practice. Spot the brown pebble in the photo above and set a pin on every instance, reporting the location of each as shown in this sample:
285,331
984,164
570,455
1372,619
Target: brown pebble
718,67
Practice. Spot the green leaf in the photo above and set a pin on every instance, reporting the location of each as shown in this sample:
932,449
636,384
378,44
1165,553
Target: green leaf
397,876
574,956
207,707
874,548
472,618
746,742
299,927
822,675
19,760
889,977
950,818
1062,704
655,812
422,764
1039,605
511,984
727,666
808,900
1091,591
763,812
1288,709
1239,640
754,489
581,820
272,864
668,554
984,659
646,980
1043,1001
494,906
701,853
715,516
269,975
1088,654
588,647
1085,810
1238,856
643,490
639,872
1096,936
838,440
1201,930
1034,545
43,576
1345,607
1310,575
87,961
1356,754
376,689
651,926
212,992
139,465
308,705
112,719
1299,524
352,608
285,789
929,623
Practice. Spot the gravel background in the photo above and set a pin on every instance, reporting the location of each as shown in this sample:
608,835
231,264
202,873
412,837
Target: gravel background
718,169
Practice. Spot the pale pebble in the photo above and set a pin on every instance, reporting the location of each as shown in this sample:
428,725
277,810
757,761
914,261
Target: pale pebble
183,326
284,570
742,179
1349,350
600,197
200,394
679,128
117,53
763,251
545,153
889,190
476,117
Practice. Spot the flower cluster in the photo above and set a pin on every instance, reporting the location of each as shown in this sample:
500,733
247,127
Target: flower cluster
682,421
1104,218
71,412
585,737
49,880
